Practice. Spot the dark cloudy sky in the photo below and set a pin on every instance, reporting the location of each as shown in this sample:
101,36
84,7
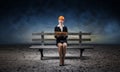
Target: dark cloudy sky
19,18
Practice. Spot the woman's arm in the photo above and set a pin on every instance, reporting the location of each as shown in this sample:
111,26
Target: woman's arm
66,30
55,30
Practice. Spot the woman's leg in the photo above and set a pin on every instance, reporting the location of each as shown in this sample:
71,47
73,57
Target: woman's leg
64,51
60,49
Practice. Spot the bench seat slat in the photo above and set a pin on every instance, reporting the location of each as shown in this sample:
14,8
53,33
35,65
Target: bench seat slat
68,33
53,46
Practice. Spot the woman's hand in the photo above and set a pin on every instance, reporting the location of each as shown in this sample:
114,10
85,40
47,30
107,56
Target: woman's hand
61,34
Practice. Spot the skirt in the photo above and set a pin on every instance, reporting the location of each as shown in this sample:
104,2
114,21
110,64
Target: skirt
61,41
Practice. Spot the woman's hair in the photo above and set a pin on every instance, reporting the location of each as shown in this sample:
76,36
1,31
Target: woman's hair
61,18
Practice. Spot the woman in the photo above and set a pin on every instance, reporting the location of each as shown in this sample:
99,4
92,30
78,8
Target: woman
61,40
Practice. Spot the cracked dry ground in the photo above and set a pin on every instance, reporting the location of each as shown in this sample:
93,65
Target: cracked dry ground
23,59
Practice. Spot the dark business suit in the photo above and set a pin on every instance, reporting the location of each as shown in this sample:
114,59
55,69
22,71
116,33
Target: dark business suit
61,39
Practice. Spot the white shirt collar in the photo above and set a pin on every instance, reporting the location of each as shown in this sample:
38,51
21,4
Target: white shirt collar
59,25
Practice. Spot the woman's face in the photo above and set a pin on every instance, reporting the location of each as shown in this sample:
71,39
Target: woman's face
61,21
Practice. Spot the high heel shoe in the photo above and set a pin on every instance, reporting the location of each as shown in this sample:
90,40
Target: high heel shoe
61,65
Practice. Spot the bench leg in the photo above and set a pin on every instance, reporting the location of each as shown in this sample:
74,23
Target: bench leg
41,52
81,52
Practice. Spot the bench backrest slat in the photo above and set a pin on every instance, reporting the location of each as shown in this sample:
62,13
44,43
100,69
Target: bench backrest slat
76,37
86,39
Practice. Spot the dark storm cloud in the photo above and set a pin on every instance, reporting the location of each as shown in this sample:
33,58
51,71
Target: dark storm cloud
19,18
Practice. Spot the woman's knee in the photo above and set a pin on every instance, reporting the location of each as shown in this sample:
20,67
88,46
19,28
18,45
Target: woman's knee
60,45
64,45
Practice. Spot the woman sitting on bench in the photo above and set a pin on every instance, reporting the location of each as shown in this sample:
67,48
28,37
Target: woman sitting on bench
61,39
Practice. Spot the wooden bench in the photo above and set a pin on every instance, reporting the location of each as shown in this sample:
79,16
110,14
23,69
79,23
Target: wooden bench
43,41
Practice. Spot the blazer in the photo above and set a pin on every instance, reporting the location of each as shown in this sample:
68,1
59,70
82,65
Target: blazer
61,39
